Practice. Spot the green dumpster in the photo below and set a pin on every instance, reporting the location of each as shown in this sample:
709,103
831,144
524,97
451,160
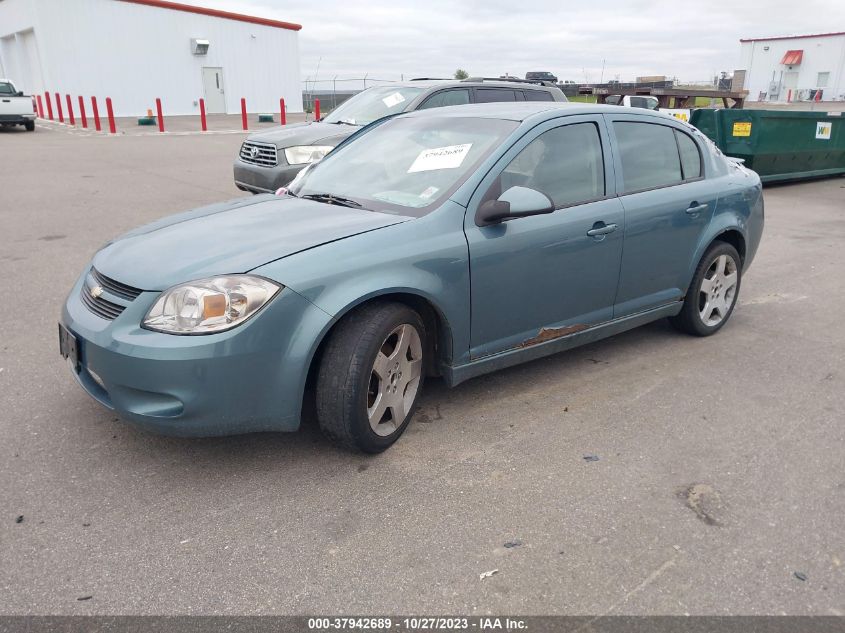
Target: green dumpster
778,145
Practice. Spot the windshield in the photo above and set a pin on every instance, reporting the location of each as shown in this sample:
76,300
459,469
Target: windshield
373,104
405,165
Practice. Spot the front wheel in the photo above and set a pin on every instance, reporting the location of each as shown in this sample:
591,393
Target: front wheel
713,293
370,376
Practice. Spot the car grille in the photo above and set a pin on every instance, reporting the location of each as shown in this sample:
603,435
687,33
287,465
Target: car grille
261,154
115,287
101,306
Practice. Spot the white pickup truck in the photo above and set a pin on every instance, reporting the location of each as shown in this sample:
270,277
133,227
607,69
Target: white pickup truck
15,108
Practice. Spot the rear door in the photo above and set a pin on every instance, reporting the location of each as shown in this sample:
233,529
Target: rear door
668,204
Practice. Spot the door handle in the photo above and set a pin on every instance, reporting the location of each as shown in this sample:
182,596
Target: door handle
696,208
600,228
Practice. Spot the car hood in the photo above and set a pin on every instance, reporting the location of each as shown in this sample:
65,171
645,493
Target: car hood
305,134
231,237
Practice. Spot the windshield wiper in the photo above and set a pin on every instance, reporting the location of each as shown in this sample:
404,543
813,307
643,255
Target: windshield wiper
330,198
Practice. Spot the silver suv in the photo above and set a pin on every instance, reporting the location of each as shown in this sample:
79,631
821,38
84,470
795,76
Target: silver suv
271,158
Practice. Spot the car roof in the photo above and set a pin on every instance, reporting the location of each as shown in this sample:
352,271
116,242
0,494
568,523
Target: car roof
467,83
523,110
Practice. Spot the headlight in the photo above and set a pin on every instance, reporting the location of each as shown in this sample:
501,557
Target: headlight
302,154
209,305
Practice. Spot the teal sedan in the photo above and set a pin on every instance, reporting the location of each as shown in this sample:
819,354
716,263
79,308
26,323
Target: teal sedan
449,242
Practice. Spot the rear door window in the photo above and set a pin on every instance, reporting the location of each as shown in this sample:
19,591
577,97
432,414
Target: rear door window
537,95
690,156
649,155
494,95
458,96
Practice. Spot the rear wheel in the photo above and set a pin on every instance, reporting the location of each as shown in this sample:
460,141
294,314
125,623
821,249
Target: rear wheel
370,376
713,293
30,126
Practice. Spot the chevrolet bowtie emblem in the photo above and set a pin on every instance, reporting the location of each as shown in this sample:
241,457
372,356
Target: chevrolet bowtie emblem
96,292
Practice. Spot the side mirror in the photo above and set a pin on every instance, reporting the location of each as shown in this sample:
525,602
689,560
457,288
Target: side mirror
516,202
20,93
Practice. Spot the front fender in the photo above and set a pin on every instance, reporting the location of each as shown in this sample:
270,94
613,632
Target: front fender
427,258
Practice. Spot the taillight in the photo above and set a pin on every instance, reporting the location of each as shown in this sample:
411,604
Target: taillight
34,107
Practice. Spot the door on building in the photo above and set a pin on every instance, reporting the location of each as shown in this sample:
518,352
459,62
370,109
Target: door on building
215,95
790,86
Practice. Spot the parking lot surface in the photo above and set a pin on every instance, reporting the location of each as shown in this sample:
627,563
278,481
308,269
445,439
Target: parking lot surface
718,488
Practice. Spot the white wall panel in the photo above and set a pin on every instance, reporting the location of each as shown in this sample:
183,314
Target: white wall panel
821,54
135,53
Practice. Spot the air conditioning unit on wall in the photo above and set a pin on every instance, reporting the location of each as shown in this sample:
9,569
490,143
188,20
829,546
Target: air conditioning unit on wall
199,47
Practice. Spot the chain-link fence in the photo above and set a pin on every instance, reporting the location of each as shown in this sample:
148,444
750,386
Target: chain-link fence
332,92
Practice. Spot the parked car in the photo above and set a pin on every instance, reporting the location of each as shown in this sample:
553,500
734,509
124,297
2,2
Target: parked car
271,159
451,242
633,101
541,76
15,108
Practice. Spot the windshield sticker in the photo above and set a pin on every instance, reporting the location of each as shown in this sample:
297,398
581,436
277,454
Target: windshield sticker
448,157
428,192
392,100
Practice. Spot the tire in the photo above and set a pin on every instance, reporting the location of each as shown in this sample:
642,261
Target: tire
370,376
713,293
30,126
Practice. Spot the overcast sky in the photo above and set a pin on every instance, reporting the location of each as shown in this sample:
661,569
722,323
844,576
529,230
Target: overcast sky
690,39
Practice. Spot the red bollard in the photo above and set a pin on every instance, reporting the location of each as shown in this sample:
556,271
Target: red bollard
70,110
202,116
316,109
112,127
59,108
40,106
243,113
96,114
160,116
284,117
49,105
82,112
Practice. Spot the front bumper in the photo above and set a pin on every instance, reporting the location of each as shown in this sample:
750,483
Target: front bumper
249,177
248,379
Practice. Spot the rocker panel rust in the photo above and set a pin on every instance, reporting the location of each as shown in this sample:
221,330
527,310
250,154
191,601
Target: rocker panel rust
551,333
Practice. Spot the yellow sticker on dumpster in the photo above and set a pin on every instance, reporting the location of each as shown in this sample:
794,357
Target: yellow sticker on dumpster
742,128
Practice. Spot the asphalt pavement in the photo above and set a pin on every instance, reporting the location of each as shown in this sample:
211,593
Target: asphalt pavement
650,473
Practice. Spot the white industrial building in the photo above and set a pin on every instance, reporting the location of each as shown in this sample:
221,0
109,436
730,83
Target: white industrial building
137,50
794,68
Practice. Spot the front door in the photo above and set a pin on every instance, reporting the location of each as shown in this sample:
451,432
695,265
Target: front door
556,272
215,95
790,84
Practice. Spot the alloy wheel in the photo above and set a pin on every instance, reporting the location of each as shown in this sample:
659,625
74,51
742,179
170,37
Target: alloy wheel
394,380
718,290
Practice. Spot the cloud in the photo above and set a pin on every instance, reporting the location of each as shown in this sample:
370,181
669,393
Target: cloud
689,40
